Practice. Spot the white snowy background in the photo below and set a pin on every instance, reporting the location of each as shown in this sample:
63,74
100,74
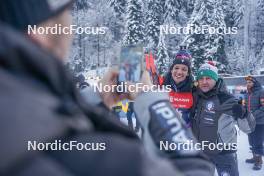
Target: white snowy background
243,154
138,22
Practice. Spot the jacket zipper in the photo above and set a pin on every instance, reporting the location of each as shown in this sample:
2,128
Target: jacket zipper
249,102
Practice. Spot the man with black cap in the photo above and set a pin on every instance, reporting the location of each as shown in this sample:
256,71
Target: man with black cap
47,129
255,104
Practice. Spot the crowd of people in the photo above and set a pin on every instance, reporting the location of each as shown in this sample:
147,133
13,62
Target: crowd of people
40,102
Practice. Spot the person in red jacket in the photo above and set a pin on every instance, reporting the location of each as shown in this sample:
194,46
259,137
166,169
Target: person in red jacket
180,79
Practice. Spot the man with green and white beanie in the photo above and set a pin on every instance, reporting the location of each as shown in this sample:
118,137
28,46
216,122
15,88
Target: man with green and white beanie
208,70
213,117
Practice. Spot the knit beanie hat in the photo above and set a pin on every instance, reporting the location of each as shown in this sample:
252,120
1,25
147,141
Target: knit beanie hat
254,80
251,78
183,57
208,69
21,13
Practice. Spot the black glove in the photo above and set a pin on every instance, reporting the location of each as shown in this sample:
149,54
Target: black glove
240,101
239,111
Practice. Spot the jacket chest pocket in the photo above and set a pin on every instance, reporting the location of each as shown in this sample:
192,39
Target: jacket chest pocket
208,119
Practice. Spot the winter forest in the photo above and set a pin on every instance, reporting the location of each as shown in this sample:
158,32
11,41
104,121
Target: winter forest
139,22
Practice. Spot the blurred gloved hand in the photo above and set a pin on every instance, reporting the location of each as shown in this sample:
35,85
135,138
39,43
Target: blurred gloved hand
240,101
239,111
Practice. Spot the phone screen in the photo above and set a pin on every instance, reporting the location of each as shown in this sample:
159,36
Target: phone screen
130,67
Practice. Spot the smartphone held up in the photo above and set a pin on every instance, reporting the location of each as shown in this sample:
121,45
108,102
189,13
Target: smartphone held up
130,65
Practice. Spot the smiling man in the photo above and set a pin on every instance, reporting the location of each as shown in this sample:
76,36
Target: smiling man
214,115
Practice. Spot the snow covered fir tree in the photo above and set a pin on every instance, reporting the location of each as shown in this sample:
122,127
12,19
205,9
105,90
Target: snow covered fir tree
207,46
140,21
154,18
134,23
162,61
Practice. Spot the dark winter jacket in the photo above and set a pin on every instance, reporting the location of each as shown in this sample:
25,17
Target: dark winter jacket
213,121
181,95
39,103
253,104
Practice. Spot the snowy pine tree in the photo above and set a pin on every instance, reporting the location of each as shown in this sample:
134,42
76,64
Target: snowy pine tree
162,60
188,6
207,46
234,55
116,24
134,23
125,20
256,55
233,12
260,27
216,50
92,50
119,7
153,21
172,9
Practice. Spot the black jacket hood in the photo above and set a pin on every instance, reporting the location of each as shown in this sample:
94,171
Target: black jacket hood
257,86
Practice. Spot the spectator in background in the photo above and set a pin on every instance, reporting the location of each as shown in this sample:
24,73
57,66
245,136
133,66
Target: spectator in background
255,104
81,83
129,114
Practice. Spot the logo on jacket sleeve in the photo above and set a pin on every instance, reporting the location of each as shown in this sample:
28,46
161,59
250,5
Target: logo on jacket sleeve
166,125
170,120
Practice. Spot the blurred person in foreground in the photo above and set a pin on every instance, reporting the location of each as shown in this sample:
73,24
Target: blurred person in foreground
39,102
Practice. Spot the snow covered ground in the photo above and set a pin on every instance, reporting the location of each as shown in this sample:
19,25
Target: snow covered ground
243,153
